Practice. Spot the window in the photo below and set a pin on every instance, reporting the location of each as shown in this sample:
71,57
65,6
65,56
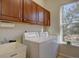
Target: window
70,22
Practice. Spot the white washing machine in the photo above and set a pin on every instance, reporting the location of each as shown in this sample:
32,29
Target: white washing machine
41,47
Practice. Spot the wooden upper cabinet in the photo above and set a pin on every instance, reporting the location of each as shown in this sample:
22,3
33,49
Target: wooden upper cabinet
24,10
34,13
46,18
40,12
12,10
0,8
28,11
40,15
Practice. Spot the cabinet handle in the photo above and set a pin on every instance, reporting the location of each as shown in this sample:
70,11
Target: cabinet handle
13,55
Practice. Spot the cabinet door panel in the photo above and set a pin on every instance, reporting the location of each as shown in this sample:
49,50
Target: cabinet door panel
28,11
40,15
12,9
34,13
0,7
47,18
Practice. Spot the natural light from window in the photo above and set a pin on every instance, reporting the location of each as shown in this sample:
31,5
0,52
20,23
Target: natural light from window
69,20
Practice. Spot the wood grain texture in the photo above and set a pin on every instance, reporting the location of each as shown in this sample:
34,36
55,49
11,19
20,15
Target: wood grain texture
12,8
40,15
25,11
34,13
28,11
46,18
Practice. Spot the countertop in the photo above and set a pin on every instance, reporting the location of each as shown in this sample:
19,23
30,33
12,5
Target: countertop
69,51
42,39
9,47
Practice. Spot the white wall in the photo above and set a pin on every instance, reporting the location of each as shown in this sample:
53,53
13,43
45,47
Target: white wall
17,31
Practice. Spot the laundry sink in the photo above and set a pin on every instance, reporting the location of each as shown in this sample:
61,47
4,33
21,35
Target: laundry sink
35,34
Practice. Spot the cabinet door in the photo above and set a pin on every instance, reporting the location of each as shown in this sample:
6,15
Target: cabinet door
34,13
28,11
12,10
40,11
0,8
46,18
